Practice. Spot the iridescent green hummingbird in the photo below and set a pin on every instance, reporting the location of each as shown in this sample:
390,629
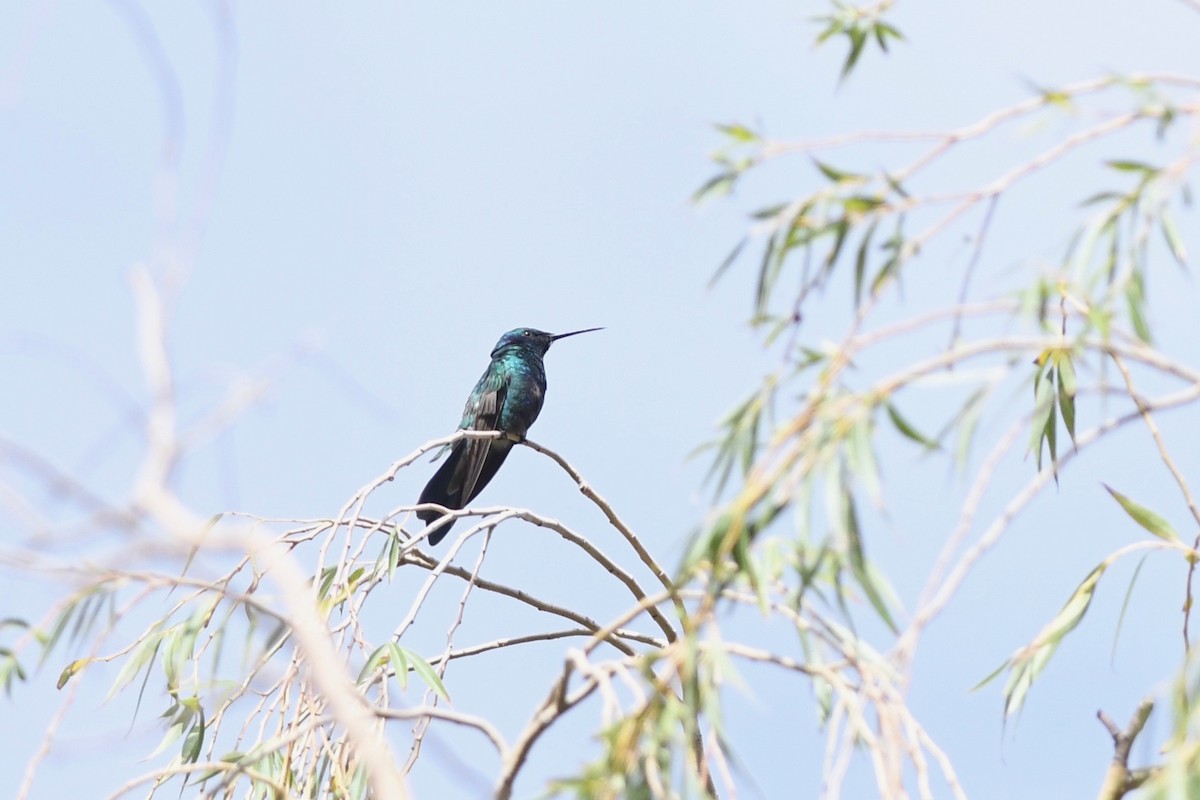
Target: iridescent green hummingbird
508,398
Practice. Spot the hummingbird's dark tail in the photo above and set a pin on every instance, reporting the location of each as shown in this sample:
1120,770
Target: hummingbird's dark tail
454,486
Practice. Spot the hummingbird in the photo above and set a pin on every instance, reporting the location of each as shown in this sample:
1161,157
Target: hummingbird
507,398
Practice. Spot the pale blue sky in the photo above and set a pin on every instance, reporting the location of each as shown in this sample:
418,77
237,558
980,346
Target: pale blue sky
400,184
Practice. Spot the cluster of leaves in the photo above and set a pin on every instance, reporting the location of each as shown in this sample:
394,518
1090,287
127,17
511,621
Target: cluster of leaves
1028,662
183,652
659,742
10,664
858,25
172,650
854,217
804,441
1054,388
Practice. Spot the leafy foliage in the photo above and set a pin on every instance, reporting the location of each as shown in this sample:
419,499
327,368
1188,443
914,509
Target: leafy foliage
801,498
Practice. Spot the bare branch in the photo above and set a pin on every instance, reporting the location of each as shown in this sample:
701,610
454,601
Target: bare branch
1120,780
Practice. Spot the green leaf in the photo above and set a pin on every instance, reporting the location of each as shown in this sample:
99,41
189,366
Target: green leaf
991,676
861,203
71,670
327,576
194,741
427,673
1125,604
767,271
180,718
860,262
861,460
1135,297
738,132
728,262
834,27
1132,166
142,657
372,666
1042,420
393,556
1057,98
50,640
1031,660
908,431
399,661
1101,197
866,576
858,38
837,175
1066,393
1144,516
968,422
1174,240
883,32
886,272
895,185
716,186
840,229
10,669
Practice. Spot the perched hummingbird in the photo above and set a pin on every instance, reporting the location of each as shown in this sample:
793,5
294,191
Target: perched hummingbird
508,398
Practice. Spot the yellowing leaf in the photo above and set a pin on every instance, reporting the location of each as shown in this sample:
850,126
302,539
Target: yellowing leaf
1144,516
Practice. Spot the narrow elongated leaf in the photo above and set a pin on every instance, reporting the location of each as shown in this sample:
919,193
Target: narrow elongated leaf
862,462
991,676
327,576
858,38
1066,393
1125,604
728,262
908,431
837,175
864,574
968,422
1043,414
398,658
1174,240
1101,197
50,640
883,32
141,657
1122,165
369,669
719,184
1144,516
194,740
427,673
1135,298
1031,660
393,556
840,228
10,669
738,132
860,262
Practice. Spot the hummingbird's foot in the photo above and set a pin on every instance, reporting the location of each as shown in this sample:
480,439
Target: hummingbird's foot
513,437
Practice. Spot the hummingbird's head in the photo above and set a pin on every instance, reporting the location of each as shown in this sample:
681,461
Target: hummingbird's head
531,340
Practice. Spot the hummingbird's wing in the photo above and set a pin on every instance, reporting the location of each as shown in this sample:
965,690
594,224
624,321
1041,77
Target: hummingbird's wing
486,418
472,462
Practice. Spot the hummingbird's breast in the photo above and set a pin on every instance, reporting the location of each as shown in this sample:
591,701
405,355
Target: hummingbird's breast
525,393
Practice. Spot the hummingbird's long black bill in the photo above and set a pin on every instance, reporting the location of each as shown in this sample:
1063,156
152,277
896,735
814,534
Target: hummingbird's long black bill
573,333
